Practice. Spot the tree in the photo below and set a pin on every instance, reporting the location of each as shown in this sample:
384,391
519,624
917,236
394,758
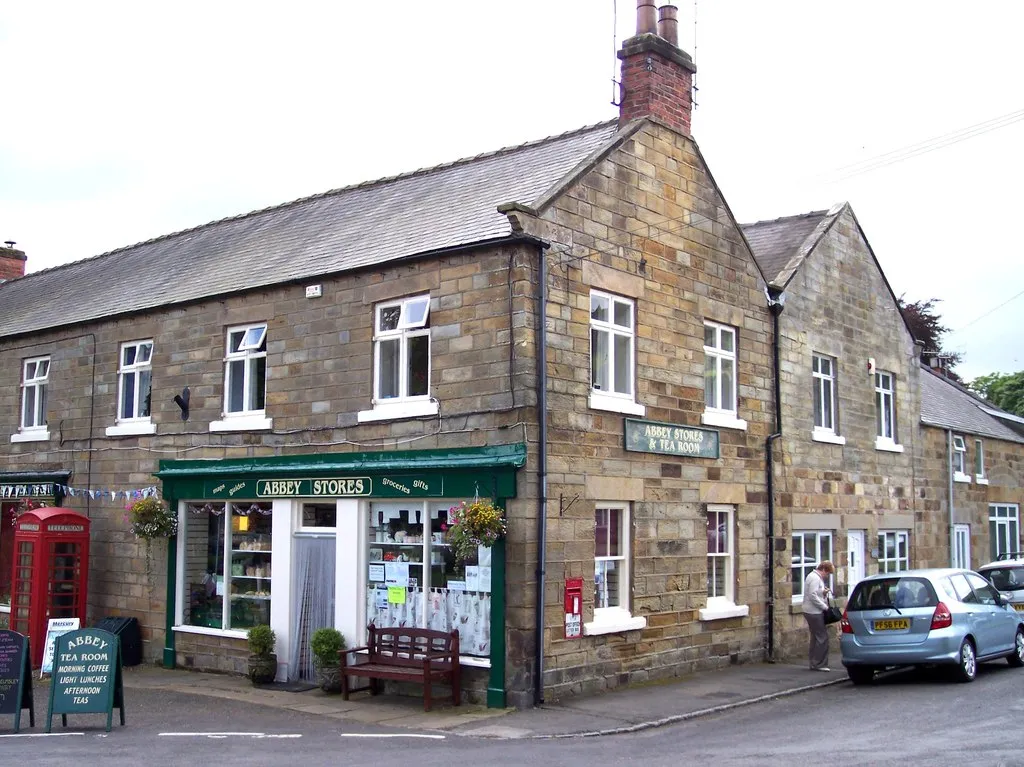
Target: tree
926,326
1005,391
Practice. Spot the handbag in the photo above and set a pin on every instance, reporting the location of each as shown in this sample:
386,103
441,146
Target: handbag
832,613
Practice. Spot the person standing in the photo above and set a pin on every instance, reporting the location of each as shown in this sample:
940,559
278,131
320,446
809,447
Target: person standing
816,594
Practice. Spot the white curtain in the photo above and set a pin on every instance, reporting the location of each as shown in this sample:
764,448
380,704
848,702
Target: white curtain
313,597
467,611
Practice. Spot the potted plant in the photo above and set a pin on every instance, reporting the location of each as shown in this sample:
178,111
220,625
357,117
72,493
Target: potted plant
473,524
326,645
262,660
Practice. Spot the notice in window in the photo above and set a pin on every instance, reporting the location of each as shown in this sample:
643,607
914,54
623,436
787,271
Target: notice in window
396,574
376,573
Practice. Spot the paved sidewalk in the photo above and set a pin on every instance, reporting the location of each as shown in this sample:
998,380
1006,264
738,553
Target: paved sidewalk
619,711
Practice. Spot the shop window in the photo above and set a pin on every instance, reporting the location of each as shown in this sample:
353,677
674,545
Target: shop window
413,578
8,513
401,360
228,565
612,532
245,380
34,381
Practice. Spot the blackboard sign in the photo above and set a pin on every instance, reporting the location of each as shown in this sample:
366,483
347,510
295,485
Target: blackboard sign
86,676
15,677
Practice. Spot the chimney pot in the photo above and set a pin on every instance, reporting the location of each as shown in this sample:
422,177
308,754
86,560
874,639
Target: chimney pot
668,23
646,17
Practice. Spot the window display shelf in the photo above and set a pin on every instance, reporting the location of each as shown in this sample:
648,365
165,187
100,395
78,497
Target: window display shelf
251,551
250,577
253,597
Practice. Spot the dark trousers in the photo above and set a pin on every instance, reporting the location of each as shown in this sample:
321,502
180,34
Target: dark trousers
818,652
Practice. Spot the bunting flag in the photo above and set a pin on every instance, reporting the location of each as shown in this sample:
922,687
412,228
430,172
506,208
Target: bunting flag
133,494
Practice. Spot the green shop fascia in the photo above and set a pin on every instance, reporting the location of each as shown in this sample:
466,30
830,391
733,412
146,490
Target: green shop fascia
237,557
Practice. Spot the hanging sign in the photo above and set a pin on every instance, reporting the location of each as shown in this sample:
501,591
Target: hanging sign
54,628
87,677
15,677
670,439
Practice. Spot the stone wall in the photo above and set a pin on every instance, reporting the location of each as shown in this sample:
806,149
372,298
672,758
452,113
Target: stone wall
838,304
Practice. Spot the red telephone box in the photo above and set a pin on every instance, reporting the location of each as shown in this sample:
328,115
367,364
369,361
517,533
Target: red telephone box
51,572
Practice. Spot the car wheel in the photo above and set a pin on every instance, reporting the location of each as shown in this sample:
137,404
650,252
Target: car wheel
1016,658
967,666
861,674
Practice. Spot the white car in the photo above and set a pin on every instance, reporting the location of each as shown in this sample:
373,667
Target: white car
1007,575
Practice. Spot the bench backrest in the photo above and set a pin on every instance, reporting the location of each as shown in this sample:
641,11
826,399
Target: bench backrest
406,646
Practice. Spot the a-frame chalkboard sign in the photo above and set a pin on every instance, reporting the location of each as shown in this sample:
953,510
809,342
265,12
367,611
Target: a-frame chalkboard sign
15,677
87,677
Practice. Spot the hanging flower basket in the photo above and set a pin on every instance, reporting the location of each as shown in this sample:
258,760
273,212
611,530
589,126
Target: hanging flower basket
150,518
473,524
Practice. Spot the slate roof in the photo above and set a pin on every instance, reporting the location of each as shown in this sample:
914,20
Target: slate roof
340,230
949,406
777,242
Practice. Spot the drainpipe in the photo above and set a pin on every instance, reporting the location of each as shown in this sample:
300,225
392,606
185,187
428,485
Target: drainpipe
542,473
776,302
949,490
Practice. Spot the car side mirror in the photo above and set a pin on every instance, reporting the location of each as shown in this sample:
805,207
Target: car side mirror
1003,598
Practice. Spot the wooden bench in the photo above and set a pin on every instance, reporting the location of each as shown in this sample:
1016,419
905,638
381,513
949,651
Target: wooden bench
406,655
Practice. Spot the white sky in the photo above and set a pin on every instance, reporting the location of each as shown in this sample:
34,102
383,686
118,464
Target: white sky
125,121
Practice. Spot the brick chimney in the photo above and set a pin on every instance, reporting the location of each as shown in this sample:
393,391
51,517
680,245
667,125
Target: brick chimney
12,262
656,75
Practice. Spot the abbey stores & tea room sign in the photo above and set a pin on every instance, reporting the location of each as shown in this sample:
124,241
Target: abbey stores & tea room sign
670,439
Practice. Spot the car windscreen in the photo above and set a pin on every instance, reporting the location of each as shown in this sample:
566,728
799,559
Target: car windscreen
892,592
1009,578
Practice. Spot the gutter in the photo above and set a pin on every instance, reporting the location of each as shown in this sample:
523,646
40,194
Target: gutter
776,302
542,472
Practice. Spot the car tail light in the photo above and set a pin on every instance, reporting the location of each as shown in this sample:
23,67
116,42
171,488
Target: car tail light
844,624
942,618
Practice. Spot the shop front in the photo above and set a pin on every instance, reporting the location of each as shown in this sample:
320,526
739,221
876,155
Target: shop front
301,542
22,491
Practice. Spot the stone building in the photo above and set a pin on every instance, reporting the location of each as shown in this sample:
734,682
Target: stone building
972,462
844,470
574,328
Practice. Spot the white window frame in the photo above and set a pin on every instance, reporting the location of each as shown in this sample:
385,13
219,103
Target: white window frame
725,413
962,546
1003,515
600,399
249,350
885,412
979,463
35,386
959,459
825,431
723,605
413,320
617,618
896,563
820,555
136,424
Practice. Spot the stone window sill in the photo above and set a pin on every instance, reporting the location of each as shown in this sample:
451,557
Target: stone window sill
243,423
393,411
131,429
602,401
981,480
31,435
881,443
616,623
720,612
958,477
723,420
820,435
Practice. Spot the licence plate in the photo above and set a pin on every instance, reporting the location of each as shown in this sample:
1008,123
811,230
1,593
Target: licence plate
1019,607
892,625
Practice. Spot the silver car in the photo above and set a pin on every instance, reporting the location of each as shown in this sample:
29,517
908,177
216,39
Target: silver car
1007,575
923,617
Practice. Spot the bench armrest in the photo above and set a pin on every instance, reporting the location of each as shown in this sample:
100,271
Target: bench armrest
343,655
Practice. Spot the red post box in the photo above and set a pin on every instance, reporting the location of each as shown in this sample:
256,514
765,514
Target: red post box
573,608
51,572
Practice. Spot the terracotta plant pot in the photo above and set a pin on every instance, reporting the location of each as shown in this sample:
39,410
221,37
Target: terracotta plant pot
262,668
